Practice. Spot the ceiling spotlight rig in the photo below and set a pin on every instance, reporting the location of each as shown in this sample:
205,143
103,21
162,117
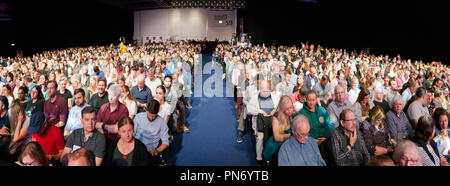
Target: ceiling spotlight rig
220,4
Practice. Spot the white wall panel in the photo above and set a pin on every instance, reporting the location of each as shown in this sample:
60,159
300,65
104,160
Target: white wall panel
184,23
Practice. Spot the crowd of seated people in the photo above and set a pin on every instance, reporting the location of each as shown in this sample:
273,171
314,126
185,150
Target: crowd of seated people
345,108
117,105
309,105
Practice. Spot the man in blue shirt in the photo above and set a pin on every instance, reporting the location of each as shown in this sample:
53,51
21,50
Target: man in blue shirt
300,149
74,118
323,91
98,73
311,79
150,129
30,84
141,93
410,91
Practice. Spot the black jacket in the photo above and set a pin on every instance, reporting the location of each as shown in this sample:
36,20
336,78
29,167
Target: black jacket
141,156
422,143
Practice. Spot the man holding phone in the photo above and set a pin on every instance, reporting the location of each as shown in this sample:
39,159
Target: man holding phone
346,144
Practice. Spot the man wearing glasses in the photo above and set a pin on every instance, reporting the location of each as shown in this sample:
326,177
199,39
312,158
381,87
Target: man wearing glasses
346,144
406,154
300,149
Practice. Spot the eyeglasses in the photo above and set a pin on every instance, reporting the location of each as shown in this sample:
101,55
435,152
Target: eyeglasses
410,161
352,120
301,135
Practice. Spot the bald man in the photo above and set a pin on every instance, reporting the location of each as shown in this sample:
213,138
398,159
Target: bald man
81,157
300,149
141,93
267,102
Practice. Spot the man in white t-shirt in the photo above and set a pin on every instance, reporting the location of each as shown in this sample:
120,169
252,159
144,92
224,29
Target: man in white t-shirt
152,82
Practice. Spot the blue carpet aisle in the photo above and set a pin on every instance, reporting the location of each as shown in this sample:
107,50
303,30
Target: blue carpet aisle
212,140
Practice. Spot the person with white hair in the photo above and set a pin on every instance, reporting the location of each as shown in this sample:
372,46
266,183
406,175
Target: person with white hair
393,91
300,149
399,126
110,113
85,77
354,91
339,104
141,93
406,154
379,101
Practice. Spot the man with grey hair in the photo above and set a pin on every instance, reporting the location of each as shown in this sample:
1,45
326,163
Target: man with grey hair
406,154
399,126
141,93
110,114
300,149
339,104
84,76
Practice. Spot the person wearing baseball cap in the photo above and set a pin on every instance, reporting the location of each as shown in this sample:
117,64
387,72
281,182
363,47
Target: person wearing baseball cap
49,136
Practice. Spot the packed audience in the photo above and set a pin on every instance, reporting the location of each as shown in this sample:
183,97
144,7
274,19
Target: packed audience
117,105
314,106
121,105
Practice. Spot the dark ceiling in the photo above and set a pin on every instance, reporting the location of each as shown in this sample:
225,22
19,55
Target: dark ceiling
159,4
138,4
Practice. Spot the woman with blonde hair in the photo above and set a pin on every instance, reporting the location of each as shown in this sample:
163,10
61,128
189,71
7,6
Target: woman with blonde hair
93,80
376,133
19,122
281,128
127,99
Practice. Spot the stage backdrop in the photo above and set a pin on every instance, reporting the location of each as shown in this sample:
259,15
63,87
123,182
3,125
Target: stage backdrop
184,23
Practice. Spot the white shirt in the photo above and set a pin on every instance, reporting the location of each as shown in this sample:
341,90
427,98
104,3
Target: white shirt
353,95
165,110
10,100
153,84
312,82
131,106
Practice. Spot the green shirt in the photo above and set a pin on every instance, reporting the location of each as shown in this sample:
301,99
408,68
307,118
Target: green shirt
319,121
